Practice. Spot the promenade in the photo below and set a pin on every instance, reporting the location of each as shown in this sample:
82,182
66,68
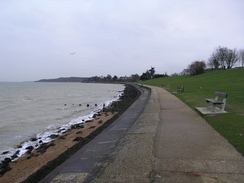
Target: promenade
158,139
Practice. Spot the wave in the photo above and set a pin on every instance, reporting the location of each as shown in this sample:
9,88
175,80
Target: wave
37,140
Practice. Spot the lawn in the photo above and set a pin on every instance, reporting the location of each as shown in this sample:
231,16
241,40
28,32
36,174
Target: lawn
197,88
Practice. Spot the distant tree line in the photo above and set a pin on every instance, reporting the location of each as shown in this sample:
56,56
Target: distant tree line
66,79
114,79
150,74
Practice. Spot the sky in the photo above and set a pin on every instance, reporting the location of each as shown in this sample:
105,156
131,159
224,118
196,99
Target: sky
43,39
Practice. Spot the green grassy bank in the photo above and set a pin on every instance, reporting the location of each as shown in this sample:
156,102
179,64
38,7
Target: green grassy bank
197,88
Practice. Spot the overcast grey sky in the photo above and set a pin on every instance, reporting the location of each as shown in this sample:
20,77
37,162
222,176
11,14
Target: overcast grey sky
38,38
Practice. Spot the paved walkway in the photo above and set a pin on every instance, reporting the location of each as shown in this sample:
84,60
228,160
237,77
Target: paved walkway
158,139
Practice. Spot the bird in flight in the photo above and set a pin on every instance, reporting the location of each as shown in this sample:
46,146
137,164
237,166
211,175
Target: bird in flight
72,53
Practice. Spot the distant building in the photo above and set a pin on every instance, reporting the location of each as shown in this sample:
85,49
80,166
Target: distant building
124,78
185,72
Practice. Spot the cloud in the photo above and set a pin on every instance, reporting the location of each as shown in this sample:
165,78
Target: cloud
112,37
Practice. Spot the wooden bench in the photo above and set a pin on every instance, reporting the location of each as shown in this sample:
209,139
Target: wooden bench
216,101
180,89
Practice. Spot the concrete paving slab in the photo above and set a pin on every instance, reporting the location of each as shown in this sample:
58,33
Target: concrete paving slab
206,110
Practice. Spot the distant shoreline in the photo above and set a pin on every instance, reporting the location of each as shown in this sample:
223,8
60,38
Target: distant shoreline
66,79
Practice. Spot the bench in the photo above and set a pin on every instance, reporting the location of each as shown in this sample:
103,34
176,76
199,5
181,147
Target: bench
180,89
216,101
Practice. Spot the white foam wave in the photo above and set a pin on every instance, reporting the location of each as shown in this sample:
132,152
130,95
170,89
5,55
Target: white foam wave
44,137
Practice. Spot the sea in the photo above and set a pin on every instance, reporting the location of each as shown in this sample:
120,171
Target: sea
36,110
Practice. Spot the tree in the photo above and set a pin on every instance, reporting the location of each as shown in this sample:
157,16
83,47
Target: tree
241,56
109,77
231,58
221,54
149,74
152,71
213,62
197,67
224,57
115,78
145,76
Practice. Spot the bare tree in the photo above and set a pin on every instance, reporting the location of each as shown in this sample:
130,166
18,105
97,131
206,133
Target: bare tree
213,62
231,58
224,57
241,56
221,54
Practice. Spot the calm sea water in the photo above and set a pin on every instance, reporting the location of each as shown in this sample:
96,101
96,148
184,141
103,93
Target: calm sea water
31,109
